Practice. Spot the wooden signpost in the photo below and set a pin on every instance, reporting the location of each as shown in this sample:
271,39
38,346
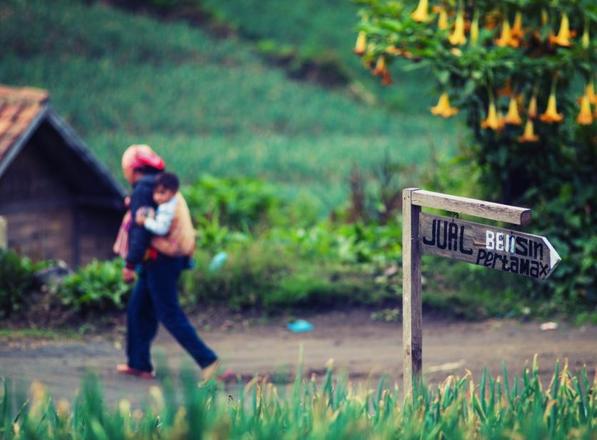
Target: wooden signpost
489,246
2,233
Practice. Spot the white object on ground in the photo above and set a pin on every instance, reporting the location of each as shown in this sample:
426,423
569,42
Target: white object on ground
549,326
448,366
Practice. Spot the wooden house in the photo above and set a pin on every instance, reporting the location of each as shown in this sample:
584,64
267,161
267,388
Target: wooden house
58,201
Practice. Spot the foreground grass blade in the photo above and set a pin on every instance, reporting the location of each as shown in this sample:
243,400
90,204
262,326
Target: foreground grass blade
327,408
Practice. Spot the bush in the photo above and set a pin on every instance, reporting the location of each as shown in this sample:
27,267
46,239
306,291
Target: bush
571,289
239,203
527,91
251,271
268,275
344,243
97,286
17,278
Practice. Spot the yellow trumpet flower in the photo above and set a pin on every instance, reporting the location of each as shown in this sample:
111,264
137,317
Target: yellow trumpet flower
393,50
513,117
475,29
457,37
361,44
564,36
585,116
492,19
532,111
544,17
517,31
506,90
396,51
386,78
551,114
421,14
528,134
442,18
380,66
443,107
492,121
506,36
381,70
586,38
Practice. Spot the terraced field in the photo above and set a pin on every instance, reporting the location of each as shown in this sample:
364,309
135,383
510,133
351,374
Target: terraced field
209,105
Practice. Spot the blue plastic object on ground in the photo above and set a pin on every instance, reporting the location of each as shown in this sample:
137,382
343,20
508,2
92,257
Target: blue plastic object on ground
218,261
300,326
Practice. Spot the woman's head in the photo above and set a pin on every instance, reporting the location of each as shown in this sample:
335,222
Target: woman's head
138,160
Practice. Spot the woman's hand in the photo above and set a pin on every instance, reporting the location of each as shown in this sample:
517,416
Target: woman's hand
140,217
128,275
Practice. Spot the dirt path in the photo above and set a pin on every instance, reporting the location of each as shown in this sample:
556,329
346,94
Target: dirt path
358,345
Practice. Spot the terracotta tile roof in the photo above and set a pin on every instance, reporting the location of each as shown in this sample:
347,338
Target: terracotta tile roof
18,108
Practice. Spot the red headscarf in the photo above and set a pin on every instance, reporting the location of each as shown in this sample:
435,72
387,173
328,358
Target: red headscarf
140,156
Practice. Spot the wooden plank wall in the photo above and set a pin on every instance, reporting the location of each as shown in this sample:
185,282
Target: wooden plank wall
46,219
38,208
40,235
97,232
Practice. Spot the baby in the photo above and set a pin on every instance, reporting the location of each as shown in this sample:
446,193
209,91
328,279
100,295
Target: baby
164,195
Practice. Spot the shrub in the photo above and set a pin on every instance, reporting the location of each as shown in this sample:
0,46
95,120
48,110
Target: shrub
329,286
238,202
344,243
523,74
268,275
213,236
17,278
97,286
251,271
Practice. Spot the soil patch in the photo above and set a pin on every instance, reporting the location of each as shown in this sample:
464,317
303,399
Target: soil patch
362,348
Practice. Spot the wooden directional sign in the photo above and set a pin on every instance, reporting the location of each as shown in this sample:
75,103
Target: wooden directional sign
488,246
496,248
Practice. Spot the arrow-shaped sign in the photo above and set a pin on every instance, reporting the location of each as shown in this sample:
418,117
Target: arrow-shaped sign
497,248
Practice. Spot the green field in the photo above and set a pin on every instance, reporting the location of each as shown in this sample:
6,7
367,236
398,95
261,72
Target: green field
209,105
324,32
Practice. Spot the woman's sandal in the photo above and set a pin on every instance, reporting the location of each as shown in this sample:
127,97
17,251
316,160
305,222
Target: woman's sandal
125,369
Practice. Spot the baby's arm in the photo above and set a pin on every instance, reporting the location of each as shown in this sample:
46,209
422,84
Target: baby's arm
160,224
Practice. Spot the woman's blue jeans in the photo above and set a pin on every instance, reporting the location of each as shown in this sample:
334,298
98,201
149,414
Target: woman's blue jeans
155,299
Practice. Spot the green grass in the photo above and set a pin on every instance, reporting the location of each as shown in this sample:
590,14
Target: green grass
328,408
314,25
324,31
208,105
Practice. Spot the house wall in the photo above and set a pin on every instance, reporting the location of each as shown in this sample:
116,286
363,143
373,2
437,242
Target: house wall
97,232
44,218
38,208
50,238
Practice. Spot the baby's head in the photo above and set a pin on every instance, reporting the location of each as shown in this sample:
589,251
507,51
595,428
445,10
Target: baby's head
166,186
